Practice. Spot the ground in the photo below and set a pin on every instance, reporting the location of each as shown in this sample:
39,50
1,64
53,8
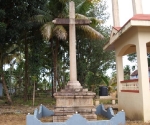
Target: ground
13,119
16,115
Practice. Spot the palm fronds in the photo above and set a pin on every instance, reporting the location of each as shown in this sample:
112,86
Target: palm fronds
94,21
40,18
60,32
84,7
80,16
46,30
90,32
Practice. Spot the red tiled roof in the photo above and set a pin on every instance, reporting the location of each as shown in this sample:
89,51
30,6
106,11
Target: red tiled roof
145,17
117,28
135,73
141,17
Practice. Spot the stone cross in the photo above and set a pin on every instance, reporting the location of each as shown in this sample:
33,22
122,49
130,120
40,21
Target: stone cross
73,83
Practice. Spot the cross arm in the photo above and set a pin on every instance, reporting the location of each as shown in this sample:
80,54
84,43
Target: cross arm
61,21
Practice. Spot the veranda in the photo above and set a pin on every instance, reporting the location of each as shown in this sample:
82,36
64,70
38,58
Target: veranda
132,37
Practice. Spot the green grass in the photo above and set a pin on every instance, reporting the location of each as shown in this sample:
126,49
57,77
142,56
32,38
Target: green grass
40,99
100,117
45,100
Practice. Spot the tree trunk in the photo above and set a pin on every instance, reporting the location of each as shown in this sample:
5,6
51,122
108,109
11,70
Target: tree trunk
34,93
6,90
3,82
26,72
55,57
52,84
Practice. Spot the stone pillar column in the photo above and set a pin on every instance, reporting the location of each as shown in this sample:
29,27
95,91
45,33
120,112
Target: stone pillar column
120,73
144,88
72,43
73,83
137,7
115,11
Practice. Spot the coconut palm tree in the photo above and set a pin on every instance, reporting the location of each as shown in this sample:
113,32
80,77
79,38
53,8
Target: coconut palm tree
56,33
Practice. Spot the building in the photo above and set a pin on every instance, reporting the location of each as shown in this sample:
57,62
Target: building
132,37
134,75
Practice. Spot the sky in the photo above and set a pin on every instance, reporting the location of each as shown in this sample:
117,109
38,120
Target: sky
125,10
125,13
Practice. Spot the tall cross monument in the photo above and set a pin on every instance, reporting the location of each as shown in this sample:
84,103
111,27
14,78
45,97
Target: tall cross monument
73,97
73,83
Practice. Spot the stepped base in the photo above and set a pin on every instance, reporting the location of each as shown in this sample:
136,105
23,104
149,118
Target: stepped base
63,118
70,101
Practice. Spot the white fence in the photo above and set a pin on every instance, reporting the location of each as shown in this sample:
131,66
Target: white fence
130,86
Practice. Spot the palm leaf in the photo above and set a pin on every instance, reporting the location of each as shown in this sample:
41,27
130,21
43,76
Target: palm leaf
90,32
80,16
105,80
46,30
40,18
84,7
94,21
60,32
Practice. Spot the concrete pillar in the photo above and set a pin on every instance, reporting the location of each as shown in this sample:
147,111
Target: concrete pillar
120,73
115,11
137,7
72,43
73,83
143,78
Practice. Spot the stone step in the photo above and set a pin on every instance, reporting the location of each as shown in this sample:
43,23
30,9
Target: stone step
71,90
74,111
71,113
62,118
75,108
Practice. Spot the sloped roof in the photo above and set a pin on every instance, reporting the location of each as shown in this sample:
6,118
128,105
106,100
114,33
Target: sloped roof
117,28
127,26
141,17
135,73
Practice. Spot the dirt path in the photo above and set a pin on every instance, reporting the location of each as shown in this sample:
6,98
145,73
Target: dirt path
13,119
16,115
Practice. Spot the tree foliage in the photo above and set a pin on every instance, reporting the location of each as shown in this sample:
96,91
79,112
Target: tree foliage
26,29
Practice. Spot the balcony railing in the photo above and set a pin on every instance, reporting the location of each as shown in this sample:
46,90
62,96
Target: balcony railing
130,86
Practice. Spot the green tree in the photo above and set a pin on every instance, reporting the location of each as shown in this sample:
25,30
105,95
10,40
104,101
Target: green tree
15,22
57,33
92,61
127,72
133,58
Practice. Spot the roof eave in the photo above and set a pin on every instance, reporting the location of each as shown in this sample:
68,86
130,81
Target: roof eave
126,27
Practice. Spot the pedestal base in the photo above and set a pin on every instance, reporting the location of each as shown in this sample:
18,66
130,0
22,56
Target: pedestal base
70,101
74,85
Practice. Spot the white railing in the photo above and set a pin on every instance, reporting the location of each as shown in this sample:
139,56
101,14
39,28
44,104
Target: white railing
130,85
